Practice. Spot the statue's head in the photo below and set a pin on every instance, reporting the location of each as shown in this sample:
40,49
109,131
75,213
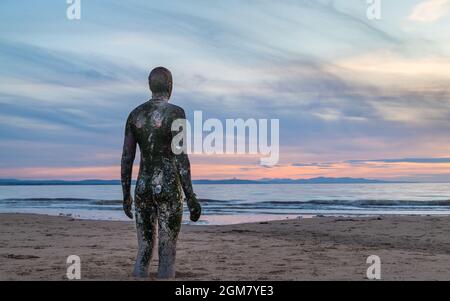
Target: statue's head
160,82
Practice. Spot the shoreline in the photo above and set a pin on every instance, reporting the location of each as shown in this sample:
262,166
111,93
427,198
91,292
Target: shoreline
222,219
35,247
210,220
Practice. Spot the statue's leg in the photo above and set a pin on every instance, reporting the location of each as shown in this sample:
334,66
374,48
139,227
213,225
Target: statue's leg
146,219
169,224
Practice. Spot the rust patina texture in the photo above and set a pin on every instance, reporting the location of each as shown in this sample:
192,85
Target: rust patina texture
163,177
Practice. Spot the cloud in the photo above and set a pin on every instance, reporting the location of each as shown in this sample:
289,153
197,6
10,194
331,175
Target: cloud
320,165
388,63
327,165
342,87
406,160
430,10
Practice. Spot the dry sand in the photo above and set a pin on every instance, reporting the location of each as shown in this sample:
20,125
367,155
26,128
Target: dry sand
35,247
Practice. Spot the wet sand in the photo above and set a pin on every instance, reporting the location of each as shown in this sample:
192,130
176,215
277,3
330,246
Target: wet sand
35,247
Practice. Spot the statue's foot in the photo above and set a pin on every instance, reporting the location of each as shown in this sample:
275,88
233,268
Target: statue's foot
166,274
140,273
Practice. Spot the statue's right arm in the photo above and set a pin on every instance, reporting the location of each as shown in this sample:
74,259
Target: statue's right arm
126,170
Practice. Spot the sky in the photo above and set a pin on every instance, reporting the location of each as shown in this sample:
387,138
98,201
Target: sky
355,97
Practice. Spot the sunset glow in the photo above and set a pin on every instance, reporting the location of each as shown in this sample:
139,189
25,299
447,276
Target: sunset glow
354,97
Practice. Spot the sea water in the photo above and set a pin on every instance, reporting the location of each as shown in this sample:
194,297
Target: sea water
238,203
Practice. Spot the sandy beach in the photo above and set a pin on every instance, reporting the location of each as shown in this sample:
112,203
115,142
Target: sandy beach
35,247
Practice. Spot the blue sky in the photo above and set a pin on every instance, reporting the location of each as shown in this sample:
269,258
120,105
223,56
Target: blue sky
355,97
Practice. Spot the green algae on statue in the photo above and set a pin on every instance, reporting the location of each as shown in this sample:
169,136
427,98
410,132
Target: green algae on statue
163,177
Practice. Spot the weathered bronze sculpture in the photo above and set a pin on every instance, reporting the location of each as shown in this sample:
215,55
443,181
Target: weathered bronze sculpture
163,175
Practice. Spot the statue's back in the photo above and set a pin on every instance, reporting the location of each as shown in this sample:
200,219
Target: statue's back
151,124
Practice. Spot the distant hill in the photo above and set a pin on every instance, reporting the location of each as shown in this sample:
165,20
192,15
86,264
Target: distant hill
10,182
319,180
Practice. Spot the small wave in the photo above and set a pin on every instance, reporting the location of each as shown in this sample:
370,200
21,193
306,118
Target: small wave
107,202
203,201
238,204
218,201
361,202
47,200
96,201
63,200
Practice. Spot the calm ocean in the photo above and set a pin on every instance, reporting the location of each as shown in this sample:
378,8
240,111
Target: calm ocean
225,204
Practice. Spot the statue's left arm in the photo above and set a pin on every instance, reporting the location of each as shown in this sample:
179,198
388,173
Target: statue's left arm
128,154
184,172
